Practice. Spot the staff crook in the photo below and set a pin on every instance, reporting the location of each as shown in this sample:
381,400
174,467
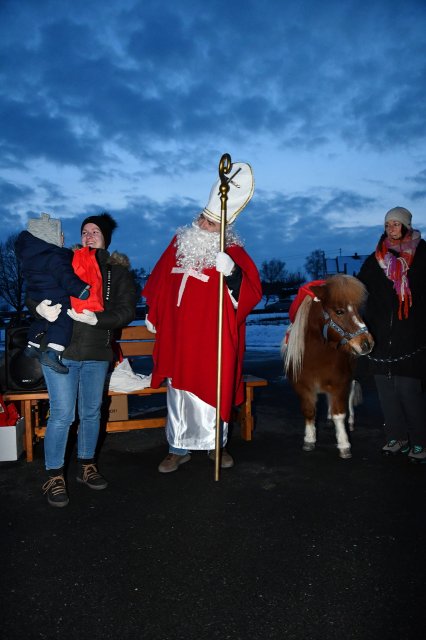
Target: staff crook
225,165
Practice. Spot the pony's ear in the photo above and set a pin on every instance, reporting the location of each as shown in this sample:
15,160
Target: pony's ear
318,291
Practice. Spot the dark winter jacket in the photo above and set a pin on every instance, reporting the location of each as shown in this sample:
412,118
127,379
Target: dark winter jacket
93,342
90,342
400,345
47,270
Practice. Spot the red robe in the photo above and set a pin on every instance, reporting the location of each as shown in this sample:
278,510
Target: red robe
187,335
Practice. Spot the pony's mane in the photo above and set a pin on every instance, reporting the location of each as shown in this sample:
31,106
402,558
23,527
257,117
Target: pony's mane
343,289
294,350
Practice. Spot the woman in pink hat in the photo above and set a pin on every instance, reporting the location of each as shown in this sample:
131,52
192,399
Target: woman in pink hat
395,277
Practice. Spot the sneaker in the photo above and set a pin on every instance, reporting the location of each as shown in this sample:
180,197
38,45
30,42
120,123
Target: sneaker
31,351
90,476
226,460
417,454
51,358
56,491
172,462
393,447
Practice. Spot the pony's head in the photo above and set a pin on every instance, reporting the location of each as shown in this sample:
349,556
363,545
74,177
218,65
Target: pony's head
341,299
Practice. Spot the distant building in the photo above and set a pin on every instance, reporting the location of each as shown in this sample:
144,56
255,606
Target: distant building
344,264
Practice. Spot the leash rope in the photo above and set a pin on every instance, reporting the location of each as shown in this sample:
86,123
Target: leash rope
396,359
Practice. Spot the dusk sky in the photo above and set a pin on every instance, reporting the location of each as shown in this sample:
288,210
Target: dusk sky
128,107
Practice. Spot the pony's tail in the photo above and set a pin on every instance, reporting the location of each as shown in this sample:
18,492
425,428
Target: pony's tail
356,393
293,344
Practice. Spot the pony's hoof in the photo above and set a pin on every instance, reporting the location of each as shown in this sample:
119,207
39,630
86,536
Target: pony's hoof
345,454
308,446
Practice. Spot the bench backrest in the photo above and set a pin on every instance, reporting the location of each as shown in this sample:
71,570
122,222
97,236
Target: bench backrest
136,341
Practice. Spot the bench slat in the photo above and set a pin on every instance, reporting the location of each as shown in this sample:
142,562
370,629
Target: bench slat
134,341
139,332
136,348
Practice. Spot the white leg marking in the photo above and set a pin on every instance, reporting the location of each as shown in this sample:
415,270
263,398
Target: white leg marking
341,435
310,436
310,432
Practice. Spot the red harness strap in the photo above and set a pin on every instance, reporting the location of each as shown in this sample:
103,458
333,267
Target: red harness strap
304,290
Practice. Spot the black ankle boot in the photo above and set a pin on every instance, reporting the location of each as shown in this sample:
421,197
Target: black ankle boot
52,358
55,488
88,474
31,351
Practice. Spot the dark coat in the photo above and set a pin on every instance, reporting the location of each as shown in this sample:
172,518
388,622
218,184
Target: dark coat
93,342
400,343
47,270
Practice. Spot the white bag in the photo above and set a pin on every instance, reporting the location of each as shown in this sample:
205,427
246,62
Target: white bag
124,379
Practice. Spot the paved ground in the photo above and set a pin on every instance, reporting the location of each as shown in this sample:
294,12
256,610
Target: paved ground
287,546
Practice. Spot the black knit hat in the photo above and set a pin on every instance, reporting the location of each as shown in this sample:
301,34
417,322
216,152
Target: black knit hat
106,224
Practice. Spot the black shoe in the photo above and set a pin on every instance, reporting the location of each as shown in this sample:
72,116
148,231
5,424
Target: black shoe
32,351
51,358
56,491
90,475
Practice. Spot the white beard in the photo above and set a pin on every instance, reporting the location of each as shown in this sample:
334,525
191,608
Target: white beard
197,249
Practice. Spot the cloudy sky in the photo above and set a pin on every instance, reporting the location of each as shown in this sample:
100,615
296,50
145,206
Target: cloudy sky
128,107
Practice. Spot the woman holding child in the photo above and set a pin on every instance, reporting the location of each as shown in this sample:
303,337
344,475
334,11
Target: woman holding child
87,358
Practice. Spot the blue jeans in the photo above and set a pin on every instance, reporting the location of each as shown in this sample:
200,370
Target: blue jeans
85,381
178,452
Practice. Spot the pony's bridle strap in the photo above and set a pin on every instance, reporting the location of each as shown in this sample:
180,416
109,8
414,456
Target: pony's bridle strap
346,335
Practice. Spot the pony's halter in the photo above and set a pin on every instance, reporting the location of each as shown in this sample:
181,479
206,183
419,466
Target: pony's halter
346,335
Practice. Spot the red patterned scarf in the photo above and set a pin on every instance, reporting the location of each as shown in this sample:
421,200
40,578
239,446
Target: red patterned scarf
86,267
396,266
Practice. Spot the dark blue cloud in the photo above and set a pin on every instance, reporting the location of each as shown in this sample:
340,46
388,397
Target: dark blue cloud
284,70
139,102
11,193
29,131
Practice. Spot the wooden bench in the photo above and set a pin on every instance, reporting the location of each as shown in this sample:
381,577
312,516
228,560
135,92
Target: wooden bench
135,341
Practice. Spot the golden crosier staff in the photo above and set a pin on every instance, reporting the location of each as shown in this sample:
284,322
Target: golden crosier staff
225,165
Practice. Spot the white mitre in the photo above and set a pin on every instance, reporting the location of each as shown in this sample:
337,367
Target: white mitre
241,189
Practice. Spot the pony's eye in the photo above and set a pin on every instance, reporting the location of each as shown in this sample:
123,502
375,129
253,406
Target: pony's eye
340,312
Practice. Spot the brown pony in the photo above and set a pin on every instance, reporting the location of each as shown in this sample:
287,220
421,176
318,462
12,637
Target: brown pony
320,347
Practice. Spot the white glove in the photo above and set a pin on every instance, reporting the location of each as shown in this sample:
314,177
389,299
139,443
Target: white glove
47,312
89,317
224,263
149,325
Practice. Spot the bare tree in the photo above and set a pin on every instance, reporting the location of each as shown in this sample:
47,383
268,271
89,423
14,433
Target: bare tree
139,276
315,264
272,274
293,281
11,278
273,271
